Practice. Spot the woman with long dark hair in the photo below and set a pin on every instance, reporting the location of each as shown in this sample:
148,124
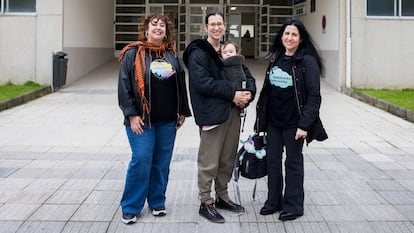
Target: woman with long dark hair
288,112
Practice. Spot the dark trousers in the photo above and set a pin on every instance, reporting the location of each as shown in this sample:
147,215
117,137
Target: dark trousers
293,197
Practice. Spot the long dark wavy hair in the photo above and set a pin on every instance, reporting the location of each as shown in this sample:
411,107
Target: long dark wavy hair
170,33
307,43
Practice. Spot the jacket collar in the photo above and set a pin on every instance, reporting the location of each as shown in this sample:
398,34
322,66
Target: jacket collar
300,53
204,45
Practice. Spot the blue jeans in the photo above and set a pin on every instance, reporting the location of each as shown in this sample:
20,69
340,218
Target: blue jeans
147,174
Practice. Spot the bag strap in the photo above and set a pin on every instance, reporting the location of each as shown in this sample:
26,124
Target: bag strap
236,176
254,190
244,119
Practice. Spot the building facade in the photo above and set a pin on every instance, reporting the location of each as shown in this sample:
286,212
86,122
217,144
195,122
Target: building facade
364,43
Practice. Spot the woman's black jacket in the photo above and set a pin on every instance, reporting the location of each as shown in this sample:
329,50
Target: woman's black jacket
211,93
128,97
306,75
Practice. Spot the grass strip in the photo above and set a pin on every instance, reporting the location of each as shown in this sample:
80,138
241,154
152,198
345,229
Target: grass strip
403,98
9,91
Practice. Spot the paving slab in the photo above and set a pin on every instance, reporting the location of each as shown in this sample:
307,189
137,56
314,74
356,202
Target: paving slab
63,159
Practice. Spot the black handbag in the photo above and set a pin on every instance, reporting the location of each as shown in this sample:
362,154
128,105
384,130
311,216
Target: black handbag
250,162
250,166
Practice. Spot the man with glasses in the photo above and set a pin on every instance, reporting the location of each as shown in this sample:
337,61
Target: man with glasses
216,102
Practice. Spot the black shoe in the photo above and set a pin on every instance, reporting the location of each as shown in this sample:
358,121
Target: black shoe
229,205
209,211
128,218
159,212
266,211
286,216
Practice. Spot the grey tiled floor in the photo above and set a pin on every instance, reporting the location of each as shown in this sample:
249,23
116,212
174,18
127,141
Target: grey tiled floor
63,159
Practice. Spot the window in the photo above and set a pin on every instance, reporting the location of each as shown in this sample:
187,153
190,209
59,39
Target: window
390,8
18,6
313,6
407,8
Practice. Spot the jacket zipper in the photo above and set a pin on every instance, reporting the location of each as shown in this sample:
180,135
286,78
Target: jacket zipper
178,93
271,64
257,107
296,89
177,83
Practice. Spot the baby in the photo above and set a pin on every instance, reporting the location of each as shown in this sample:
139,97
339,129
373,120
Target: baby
233,66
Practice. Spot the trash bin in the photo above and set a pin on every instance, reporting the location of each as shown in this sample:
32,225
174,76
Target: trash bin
60,66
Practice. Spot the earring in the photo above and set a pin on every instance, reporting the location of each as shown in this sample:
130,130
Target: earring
146,34
165,38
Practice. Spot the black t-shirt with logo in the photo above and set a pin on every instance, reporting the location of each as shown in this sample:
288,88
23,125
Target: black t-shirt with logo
282,105
164,98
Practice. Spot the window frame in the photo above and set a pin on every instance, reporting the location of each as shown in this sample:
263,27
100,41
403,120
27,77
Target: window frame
4,12
396,11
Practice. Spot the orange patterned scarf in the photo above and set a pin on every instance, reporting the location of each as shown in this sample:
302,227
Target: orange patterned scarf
140,68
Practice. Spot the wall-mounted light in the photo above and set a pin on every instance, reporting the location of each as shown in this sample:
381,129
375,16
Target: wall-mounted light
233,8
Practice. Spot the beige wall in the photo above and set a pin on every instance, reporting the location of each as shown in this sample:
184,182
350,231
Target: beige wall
381,48
328,41
83,29
27,42
48,37
17,49
88,35
382,51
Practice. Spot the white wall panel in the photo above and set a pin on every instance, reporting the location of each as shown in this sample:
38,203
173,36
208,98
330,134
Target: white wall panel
17,49
88,23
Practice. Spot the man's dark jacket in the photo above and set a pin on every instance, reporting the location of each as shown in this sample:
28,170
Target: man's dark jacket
211,93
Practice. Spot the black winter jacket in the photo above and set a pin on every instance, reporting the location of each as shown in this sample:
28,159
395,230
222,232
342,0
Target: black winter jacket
128,97
211,93
306,75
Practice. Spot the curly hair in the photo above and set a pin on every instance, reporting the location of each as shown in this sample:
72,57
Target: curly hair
170,33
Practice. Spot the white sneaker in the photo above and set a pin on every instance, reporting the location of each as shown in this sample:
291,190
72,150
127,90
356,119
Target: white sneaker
128,218
159,211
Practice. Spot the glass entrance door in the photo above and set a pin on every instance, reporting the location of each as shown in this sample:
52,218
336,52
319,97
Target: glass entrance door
243,27
261,17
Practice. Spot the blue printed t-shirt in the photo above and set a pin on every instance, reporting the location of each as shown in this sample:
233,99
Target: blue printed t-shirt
164,98
282,105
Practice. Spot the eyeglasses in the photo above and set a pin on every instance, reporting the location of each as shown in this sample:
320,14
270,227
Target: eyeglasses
220,24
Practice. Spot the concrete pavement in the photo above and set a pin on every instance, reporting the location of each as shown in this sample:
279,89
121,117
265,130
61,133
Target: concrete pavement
63,159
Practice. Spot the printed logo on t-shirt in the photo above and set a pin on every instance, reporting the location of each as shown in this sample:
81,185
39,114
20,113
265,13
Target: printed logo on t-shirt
280,78
162,69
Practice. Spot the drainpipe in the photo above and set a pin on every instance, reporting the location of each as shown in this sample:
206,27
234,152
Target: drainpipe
348,44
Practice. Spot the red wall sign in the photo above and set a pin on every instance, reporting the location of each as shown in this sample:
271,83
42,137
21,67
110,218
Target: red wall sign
323,23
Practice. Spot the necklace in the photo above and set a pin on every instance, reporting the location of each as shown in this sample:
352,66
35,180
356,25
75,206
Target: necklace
217,48
215,44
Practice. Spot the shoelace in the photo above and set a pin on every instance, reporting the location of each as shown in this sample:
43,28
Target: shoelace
212,210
